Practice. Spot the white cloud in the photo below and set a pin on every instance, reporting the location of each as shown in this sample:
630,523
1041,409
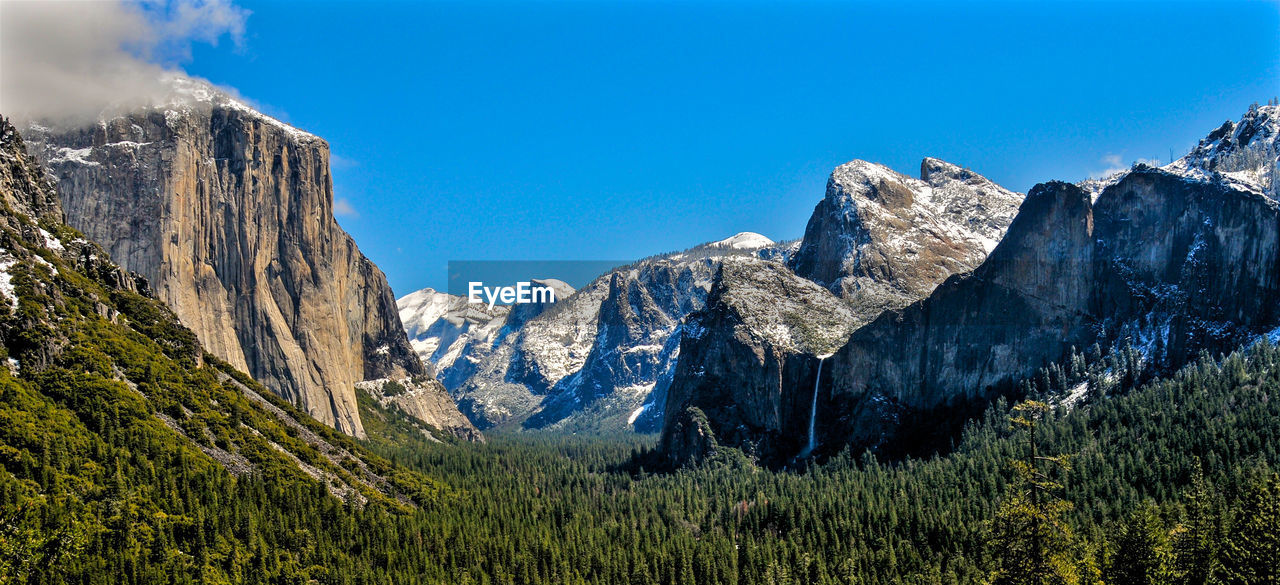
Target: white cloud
343,208
72,60
1114,164
337,161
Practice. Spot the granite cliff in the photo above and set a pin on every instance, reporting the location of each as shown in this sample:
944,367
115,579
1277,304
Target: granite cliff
878,240
1170,262
882,240
229,214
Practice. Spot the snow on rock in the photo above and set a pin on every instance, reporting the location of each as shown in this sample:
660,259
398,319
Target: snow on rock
7,262
602,352
51,242
74,155
1242,155
744,241
441,325
187,92
635,414
882,240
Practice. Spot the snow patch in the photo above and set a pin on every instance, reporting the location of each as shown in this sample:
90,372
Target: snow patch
635,414
74,155
744,241
7,262
50,241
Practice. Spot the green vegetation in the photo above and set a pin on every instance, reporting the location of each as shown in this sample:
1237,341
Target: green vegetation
1177,466
113,427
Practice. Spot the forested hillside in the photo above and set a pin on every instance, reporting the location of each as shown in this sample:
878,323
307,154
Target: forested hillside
129,455
1179,473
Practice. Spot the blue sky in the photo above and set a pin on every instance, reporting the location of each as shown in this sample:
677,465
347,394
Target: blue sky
594,130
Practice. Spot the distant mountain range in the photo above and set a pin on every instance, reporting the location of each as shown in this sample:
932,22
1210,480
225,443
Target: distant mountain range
1167,262
605,358
918,298
910,303
597,360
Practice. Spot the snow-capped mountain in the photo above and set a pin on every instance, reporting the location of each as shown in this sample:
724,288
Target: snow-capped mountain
743,241
598,359
882,240
1240,154
441,326
451,335
1167,263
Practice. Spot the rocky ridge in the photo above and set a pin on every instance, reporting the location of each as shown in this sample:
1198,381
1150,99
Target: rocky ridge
882,240
601,358
229,214
1170,261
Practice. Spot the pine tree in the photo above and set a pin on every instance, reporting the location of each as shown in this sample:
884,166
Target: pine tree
1142,550
1252,550
1029,539
1197,541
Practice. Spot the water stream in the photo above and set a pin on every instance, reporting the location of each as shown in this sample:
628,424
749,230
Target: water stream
813,411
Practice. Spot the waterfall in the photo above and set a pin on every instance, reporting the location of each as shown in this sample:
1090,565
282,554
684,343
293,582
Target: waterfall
813,411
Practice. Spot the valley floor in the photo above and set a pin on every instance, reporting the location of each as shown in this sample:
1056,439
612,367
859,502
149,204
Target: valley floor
1174,478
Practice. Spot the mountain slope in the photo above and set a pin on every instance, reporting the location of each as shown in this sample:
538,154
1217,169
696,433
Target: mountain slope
229,214
883,240
1241,154
594,359
127,453
1163,262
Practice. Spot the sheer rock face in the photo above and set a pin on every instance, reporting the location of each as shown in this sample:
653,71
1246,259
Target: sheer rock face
1172,261
1171,265
601,359
744,362
229,214
882,240
877,241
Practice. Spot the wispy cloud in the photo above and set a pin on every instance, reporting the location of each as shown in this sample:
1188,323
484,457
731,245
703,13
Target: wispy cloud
72,60
337,161
343,208
1114,164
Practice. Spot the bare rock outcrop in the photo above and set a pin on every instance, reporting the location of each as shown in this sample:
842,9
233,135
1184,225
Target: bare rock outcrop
229,214
883,240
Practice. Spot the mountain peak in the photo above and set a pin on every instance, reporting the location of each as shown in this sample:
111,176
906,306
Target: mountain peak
1241,155
189,92
744,241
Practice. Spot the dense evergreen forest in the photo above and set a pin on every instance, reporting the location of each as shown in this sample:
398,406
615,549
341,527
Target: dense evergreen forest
1170,482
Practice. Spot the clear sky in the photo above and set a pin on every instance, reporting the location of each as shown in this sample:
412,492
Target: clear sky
613,130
